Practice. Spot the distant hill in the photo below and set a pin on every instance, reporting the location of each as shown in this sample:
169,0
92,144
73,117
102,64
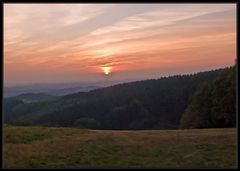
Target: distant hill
55,90
147,104
60,89
71,90
34,97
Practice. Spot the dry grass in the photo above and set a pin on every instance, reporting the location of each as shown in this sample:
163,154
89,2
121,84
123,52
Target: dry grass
45,147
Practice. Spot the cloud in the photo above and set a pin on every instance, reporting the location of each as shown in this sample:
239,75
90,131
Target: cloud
45,22
77,38
163,17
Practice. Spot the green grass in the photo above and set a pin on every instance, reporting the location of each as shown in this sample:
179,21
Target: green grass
48,147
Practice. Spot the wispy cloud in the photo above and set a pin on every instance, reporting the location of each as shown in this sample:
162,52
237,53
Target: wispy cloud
78,38
163,17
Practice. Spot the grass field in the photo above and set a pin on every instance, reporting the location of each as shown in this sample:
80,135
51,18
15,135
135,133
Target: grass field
48,147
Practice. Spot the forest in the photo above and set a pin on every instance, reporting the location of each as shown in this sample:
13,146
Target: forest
201,100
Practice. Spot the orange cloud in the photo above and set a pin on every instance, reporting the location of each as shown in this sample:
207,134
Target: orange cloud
75,41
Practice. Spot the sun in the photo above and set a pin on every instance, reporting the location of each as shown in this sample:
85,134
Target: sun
106,69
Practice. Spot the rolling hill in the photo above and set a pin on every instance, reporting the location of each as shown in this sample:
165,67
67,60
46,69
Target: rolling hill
51,89
33,97
147,104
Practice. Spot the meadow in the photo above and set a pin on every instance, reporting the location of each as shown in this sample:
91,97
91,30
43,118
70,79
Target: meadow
58,147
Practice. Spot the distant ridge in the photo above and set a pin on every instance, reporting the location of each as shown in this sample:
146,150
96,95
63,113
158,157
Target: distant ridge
34,97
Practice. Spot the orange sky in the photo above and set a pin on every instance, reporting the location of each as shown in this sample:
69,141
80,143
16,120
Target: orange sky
48,43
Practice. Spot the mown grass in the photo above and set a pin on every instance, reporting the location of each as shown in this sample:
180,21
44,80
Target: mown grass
46,147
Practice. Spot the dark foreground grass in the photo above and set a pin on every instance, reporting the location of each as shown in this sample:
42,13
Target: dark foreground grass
46,147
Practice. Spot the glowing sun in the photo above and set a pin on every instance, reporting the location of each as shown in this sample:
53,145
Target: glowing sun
106,69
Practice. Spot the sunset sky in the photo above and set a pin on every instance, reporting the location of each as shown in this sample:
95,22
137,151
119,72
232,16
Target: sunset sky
53,43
